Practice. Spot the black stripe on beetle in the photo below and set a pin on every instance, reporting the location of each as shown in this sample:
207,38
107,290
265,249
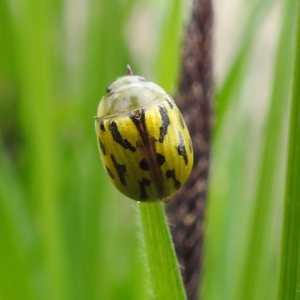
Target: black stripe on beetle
159,158
170,174
163,129
111,175
145,182
170,103
102,127
113,127
181,148
181,120
102,147
121,170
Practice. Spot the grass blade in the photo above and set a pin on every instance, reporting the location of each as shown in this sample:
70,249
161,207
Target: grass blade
164,276
238,70
255,268
289,284
16,236
42,169
167,63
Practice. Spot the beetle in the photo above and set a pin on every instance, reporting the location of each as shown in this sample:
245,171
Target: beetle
144,143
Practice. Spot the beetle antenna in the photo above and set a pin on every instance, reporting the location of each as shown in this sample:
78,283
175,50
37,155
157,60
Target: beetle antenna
128,70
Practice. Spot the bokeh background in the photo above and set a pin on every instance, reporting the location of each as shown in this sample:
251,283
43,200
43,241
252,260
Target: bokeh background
65,232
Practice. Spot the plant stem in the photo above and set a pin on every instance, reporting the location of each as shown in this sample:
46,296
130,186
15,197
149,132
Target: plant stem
290,253
163,270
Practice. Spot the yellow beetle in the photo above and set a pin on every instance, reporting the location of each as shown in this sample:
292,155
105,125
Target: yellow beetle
143,140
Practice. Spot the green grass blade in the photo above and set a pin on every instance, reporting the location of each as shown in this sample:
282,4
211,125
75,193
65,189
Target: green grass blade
289,284
16,236
7,41
37,114
238,70
167,62
164,275
247,178
255,269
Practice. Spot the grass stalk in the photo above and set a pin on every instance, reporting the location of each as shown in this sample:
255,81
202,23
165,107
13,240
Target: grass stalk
164,274
290,271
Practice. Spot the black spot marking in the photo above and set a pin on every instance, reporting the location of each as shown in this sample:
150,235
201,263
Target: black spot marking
163,129
111,175
121,170
170,174
113,127
170,103
145,182
181,149
144,165
160,159
108,89
102,127
102,147
181,120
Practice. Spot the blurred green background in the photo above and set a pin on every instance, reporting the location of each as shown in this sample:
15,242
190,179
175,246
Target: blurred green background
65,232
